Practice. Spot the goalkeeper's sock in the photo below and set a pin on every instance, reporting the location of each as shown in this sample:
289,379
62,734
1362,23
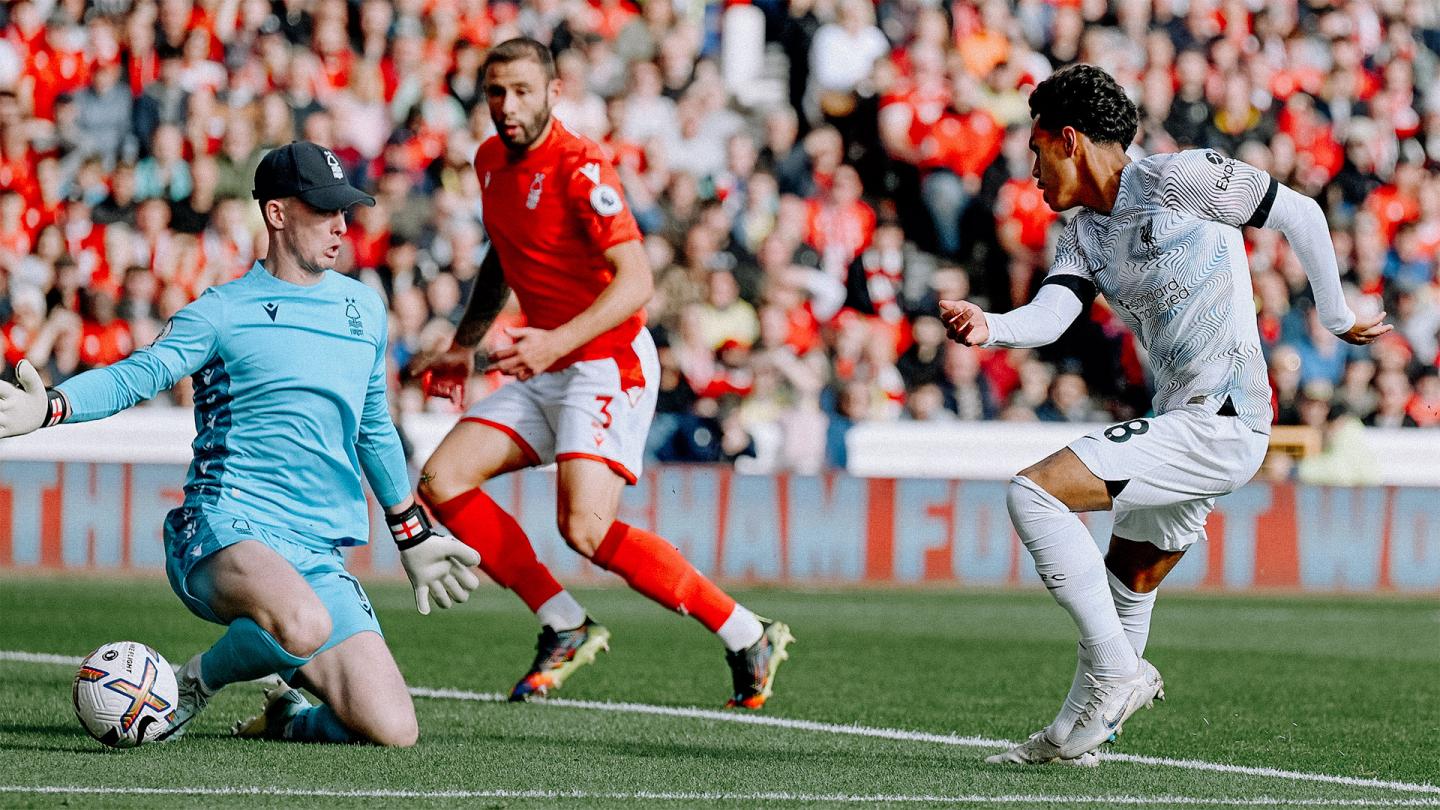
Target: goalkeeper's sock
506,555
657,569
1072,568
244,653
317,724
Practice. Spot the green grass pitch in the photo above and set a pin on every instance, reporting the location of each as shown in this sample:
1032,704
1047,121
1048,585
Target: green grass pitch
1339,687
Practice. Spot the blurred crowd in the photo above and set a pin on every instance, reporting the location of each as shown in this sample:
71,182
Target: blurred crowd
806,200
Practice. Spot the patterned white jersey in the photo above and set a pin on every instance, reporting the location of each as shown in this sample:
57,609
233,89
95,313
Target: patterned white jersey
1170,260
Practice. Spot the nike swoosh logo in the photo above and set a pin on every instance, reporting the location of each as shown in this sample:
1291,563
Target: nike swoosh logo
1111,724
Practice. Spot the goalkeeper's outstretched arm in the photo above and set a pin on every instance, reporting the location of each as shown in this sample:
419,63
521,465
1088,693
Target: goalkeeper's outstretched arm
187,343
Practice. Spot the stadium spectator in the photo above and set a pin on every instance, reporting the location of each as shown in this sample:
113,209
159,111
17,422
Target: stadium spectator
884,167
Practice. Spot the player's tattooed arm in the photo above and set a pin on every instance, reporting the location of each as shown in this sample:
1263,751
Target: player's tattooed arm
487,298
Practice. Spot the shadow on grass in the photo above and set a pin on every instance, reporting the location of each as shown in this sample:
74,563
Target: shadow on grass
730,755
37,737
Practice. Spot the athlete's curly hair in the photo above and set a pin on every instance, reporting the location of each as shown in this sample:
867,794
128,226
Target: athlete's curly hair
1088,99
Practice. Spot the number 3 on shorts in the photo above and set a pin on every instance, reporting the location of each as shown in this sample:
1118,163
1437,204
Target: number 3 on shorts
1122,432
605,409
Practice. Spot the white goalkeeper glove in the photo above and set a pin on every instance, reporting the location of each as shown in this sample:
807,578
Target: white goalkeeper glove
437,564
28,406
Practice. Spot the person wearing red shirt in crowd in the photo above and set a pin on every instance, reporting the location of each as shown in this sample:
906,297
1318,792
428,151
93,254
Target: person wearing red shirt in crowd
104,336
27,321
17,161
26,30
44,206
15,239
1318,156
370,236
85,241
337,60
57,67
1399,201
142,61
585,392
1022,224
839,224
954,154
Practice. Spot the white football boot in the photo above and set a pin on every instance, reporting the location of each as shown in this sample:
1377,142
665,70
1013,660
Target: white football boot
1108,705
1038,750
193,695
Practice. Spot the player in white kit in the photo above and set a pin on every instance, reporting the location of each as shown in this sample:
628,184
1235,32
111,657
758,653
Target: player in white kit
1160,239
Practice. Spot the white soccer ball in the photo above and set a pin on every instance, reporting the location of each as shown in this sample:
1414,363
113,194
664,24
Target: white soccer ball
125,694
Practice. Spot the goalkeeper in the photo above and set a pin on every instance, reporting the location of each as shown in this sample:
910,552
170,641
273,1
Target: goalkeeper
288,363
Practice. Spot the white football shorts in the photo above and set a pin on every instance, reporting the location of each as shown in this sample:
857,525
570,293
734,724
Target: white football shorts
1174,466
596,409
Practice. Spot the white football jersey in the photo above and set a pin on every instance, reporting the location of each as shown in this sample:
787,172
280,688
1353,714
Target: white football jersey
1170,260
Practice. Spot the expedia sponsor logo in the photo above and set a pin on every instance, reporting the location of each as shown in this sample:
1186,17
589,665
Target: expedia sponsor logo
1227,170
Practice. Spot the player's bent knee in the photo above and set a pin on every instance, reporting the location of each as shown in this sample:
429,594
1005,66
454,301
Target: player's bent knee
396,733
391,723
302,631
583,532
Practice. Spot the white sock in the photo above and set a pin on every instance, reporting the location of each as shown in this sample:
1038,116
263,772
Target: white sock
740,630
561,612
1073,570
1070,710
1134,611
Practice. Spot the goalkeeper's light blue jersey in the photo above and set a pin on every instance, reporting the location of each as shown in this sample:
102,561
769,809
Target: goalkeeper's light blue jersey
290,401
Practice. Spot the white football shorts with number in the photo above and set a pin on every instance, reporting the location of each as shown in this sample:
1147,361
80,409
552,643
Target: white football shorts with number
595,409
1169,469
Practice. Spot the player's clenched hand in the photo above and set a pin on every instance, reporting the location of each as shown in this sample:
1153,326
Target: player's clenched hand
1367,330
964,322
23,406
443,373
440,567
533,351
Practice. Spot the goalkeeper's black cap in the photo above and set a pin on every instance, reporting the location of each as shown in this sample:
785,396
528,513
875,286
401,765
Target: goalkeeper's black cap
308,171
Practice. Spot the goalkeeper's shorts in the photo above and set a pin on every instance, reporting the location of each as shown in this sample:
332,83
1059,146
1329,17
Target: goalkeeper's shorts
192,534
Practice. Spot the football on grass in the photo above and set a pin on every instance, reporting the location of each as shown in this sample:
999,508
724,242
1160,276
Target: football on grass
125,694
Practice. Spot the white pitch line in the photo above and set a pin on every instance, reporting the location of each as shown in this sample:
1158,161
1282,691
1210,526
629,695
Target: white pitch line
852,730
921,736
39,658
766,796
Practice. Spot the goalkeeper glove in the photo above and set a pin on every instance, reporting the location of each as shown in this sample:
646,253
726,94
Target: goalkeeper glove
28,406
437,564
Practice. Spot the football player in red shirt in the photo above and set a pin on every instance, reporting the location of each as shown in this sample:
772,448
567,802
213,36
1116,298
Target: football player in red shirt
586,381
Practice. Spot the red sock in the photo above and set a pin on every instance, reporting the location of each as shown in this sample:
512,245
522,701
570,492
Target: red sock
505,552
655,568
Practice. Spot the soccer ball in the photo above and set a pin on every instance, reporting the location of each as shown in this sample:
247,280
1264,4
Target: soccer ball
125,694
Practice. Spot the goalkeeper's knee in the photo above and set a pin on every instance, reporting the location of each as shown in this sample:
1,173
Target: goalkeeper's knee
301,633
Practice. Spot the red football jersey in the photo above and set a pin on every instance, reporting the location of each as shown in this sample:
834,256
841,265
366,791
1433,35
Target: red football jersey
552,214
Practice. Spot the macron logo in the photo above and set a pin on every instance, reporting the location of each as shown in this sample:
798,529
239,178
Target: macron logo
591,171
272,310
